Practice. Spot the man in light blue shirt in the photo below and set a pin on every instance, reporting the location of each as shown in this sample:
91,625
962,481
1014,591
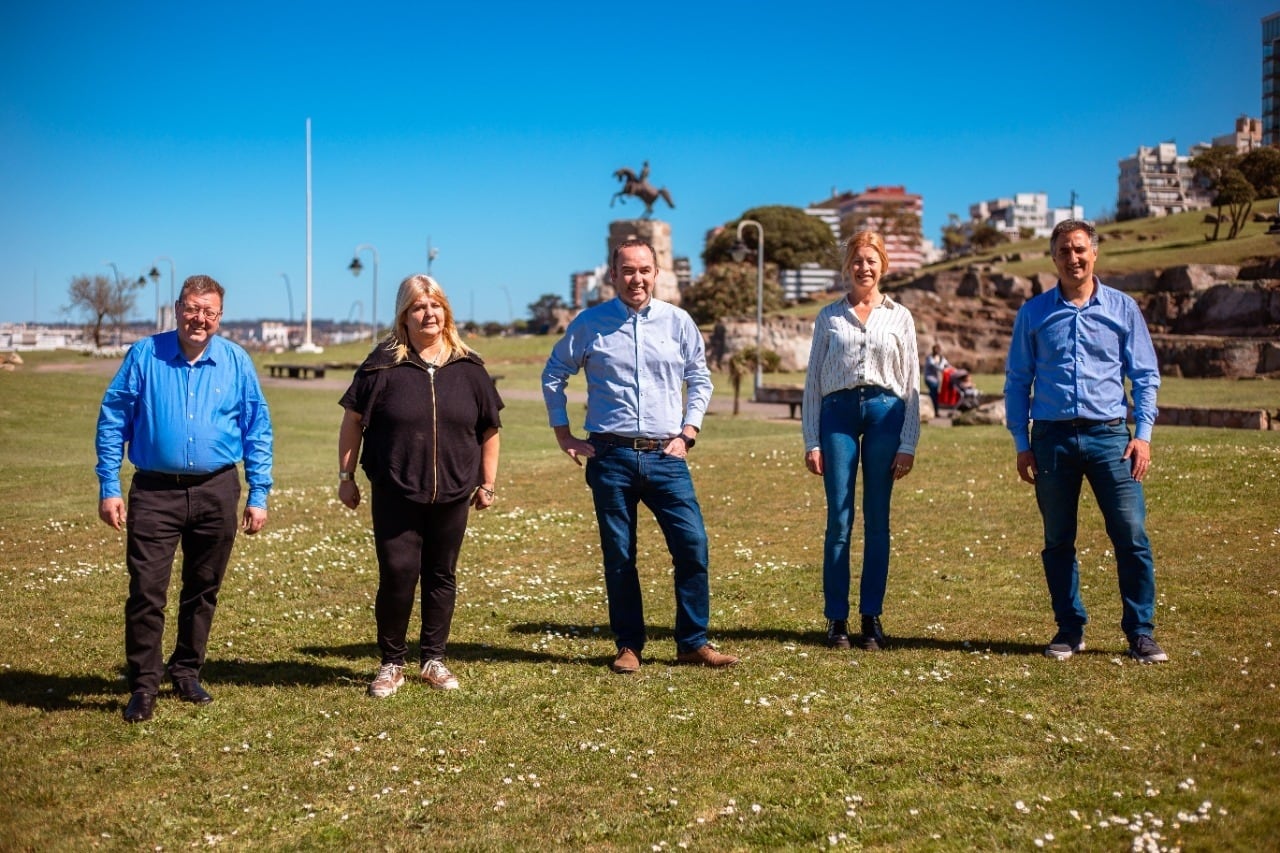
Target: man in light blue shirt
640,355
188,405
1073,347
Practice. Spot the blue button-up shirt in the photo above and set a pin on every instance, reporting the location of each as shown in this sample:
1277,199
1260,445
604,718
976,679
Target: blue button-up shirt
183,418
637,363
1069,362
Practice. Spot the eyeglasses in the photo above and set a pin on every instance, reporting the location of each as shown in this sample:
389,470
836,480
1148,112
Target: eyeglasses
191,312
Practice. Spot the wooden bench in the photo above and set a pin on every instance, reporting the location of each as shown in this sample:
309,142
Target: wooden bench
791,395
296,371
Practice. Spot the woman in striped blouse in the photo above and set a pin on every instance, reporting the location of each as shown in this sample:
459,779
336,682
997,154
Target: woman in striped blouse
861,402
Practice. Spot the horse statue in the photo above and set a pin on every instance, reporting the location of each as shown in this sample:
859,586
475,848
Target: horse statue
639,186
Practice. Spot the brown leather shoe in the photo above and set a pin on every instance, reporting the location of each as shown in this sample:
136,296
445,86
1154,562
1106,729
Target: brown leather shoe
706,656
627,662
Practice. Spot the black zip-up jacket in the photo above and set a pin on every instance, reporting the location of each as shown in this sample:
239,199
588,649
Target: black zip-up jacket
423,427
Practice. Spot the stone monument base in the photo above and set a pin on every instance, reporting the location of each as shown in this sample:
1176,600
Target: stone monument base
656,233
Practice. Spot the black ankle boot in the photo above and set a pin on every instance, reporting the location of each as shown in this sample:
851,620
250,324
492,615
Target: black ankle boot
873,639
838,634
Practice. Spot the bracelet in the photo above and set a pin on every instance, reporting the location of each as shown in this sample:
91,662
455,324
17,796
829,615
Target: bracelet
346,475
490,492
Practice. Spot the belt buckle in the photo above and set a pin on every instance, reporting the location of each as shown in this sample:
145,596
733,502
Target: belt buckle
644,443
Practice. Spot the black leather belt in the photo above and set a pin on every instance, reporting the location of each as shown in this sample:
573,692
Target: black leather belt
179,481
630,443
1090,422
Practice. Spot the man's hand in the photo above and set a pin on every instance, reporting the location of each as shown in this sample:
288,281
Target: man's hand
1139,452
576,448
813,461
111,511
1027,466
255,518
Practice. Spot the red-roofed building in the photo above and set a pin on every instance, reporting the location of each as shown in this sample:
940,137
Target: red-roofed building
890,210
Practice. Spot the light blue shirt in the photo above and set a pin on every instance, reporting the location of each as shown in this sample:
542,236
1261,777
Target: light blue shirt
183,418
1067,362
638,364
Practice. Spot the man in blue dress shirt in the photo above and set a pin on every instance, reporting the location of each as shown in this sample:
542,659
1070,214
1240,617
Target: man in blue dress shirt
639,354
188,405
1073,348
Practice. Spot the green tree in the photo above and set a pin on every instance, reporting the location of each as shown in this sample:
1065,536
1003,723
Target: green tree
1211,168
986,236
729,290
1261,168
954,240
1236,194
743,363
101,299
791,238
543,312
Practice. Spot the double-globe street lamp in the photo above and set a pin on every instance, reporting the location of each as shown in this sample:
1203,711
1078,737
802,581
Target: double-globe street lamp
355,266
739,253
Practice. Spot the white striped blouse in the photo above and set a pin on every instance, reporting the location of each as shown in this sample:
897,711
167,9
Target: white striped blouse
846,354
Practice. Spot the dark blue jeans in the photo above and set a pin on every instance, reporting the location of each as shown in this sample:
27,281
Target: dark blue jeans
620,480
858,424
1066,455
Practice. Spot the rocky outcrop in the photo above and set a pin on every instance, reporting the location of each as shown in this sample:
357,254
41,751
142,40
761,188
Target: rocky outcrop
1205,320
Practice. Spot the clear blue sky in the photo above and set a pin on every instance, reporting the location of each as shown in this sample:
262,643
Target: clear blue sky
134,130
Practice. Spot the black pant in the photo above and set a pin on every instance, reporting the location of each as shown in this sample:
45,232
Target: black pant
161,514
415,540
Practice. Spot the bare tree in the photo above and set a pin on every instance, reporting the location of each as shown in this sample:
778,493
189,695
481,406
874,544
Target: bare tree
101,299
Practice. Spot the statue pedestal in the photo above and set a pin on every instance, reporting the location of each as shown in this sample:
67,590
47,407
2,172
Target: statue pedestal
656,233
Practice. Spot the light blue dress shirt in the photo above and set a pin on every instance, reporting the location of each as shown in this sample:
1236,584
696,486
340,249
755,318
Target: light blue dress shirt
183,418
1068,362
637,364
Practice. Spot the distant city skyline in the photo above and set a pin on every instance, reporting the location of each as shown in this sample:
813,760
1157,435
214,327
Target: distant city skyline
152,130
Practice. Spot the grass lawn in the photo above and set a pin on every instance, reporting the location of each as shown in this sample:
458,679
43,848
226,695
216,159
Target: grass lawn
962,736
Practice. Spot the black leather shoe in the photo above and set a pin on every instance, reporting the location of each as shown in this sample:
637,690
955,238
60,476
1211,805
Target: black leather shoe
189,690
140,708
873,639
838,634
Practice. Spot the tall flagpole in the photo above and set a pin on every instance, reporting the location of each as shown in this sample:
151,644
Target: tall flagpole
307,345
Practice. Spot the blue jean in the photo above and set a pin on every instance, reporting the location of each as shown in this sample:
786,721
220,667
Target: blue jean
620,480
858,423
1066,455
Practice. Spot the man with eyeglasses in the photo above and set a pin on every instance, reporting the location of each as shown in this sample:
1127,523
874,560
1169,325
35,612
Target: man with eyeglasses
1073,349
188,404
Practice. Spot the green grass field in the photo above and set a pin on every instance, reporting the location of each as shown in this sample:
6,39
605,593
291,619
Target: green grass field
961,737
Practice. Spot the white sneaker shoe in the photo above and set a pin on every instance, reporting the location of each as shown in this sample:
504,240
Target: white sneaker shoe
388,680
437,675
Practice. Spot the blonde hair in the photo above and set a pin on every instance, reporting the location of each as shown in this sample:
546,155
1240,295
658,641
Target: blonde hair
861,240
412,289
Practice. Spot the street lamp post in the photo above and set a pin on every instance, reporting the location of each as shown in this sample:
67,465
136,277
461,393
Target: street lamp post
432,252
355,266
739,252
154,275
288,291
141,283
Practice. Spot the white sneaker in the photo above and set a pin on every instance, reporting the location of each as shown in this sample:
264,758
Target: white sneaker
436,674
388,680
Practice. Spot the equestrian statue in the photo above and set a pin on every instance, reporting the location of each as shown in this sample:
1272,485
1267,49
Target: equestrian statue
639,186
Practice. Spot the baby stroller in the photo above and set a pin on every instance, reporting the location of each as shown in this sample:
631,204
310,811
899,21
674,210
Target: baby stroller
958,391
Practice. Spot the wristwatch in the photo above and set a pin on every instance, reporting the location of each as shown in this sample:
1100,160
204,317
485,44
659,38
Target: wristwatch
346,475
688,442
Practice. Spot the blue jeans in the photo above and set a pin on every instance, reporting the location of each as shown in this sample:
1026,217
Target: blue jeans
864,423
1065,456
621,479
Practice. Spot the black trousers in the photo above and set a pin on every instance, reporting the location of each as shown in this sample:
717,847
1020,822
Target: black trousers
161,515
415,541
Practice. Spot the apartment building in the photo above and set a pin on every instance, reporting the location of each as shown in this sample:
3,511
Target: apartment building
1029,211
1271,80
891,210
1157,181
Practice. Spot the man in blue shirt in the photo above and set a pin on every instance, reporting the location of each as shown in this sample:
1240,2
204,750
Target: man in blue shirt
639,354
188,405
1073,348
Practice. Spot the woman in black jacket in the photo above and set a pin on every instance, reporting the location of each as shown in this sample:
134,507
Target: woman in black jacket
426,412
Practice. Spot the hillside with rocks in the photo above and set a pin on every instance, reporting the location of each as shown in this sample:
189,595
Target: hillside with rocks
1206,320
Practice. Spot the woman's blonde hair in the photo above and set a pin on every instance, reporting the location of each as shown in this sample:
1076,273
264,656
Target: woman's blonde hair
860,241
412,289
